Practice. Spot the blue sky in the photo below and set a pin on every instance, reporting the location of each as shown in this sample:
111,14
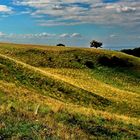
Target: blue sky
73,22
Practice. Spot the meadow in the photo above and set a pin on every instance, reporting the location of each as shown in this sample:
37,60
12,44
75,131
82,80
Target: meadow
68,93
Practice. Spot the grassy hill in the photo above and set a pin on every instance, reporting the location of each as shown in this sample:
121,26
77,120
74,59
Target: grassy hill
68,93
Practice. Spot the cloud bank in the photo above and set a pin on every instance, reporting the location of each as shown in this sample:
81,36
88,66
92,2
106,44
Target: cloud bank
73,12
43,35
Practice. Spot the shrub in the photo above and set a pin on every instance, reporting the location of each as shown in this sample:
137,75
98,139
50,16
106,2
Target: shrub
114,62
89,64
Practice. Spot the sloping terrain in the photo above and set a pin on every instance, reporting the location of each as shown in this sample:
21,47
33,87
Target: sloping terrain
68,93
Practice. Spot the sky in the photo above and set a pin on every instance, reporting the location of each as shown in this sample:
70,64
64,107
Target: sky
116,23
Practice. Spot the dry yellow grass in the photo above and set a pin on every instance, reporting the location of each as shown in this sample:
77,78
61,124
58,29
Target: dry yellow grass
24,96
83,79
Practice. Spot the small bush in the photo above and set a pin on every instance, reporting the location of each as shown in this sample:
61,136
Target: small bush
89,64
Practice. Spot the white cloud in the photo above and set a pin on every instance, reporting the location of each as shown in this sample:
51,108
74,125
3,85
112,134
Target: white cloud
76,35
126,9
2,34
113,36
58,7
5,9
65,35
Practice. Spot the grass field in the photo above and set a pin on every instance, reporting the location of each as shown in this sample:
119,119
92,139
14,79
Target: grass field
60,93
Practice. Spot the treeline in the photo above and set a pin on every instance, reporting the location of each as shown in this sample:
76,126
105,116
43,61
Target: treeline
135,51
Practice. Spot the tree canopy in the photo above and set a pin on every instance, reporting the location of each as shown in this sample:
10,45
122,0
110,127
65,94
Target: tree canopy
95,44
60,45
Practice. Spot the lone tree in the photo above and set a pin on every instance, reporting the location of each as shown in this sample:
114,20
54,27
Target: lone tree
62,45
95,44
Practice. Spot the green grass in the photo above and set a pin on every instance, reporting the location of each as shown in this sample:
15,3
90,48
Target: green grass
77,93
17,72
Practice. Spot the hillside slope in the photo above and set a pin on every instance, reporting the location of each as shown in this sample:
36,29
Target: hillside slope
68,93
